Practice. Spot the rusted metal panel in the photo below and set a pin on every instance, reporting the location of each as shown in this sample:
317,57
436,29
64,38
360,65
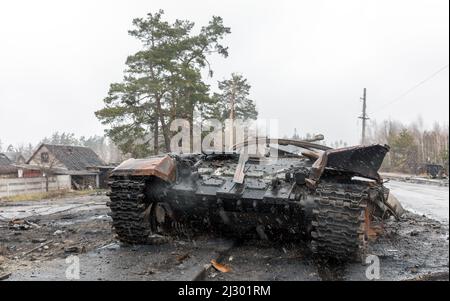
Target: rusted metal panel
161,167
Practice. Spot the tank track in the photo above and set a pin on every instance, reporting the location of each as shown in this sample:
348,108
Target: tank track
129,211
134,219
338,225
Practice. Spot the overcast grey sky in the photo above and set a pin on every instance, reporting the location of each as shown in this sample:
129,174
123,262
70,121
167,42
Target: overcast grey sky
307,61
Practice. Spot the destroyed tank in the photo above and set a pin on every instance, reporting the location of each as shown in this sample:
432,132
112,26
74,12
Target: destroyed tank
330,198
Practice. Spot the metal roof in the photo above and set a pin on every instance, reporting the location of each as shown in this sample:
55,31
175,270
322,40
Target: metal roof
4,160
14,156
6,166
72,157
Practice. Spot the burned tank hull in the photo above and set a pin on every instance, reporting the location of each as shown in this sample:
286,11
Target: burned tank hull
328,198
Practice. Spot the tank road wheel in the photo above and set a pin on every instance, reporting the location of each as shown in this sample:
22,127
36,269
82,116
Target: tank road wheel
130,211
338,225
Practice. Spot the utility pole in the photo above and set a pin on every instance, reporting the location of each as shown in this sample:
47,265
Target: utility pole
364,118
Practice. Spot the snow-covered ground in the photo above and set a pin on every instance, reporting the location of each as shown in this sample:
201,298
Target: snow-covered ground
431,200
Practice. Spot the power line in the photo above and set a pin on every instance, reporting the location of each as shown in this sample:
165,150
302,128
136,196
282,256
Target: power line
413,88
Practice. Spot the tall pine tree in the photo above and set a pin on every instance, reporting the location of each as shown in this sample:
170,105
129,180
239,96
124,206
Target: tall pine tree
232,102
162,82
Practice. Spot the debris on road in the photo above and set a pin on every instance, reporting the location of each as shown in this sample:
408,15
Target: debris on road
5,276
415,248
220,267
414,233
21,224
111,246
156,239
181,258
38,240
75,249
37,248
438,276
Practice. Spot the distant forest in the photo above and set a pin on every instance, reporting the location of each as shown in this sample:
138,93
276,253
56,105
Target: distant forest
411,144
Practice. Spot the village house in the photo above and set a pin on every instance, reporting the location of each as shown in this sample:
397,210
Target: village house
82,164
7,170
16,169
15,157
4,160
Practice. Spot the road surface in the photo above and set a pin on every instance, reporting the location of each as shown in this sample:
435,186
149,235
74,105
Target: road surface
57,229
431,200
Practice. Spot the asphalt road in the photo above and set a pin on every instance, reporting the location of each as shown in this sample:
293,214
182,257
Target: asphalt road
431,200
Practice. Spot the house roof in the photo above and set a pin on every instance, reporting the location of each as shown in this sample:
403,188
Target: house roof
4,160
72,157
13,156
6,165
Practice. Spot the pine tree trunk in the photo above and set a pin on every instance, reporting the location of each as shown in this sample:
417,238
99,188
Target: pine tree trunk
166,133
156,136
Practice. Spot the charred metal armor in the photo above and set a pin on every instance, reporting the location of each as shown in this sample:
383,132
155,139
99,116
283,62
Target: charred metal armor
325,196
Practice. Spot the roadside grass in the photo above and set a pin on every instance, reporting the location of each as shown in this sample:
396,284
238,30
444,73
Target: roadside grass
56,194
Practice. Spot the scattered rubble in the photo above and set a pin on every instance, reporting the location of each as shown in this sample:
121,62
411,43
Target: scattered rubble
40,247
38,240
220,267
5,276
74,249
43,237
181,258
415,248
21,224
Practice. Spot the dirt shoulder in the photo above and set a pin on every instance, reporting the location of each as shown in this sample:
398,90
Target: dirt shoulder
37,231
